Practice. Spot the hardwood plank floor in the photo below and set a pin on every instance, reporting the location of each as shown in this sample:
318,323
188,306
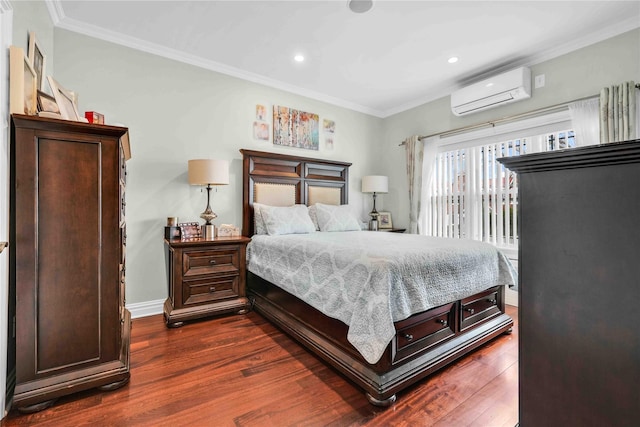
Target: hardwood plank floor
242,371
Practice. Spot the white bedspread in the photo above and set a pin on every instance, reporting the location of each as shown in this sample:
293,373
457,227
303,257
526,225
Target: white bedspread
368,280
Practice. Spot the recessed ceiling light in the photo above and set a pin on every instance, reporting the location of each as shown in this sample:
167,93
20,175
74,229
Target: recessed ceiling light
452,60
298,58
360,6
489,84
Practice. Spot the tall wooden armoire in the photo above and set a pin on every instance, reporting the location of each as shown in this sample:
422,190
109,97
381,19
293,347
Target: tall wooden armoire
67,263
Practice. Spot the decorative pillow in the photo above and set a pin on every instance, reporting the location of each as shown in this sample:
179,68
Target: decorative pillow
313,214
336,218
287,220
258,223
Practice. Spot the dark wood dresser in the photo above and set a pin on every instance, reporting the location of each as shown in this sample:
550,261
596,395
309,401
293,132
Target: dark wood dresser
67,266
206,277
579,294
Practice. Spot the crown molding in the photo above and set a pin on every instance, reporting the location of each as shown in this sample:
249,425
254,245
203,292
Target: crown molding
56,13
61,21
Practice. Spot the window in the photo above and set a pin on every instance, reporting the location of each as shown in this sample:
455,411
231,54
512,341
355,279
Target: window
473,196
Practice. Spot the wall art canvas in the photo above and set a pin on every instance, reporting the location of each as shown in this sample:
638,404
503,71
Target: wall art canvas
261,131
261,112
295,128
329,126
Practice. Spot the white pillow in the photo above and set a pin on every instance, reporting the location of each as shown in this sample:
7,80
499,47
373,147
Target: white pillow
336,218
258,223
287,220
313,214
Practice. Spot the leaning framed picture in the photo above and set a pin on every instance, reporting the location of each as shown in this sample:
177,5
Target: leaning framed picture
22,83
384,220
47,103
37,59
64,99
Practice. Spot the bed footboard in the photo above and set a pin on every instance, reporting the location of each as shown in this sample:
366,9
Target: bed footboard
423,344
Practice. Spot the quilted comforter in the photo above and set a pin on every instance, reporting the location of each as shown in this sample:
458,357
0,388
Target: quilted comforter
369,280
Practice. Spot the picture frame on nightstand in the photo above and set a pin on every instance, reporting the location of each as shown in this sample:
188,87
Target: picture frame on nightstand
384,220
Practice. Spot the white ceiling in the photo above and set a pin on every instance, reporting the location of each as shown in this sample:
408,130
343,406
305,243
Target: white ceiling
387,60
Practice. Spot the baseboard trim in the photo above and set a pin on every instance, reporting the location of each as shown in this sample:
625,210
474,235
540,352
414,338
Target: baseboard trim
147,308
511,297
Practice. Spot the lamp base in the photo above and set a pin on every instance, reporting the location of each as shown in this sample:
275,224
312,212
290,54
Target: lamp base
208,231
373,222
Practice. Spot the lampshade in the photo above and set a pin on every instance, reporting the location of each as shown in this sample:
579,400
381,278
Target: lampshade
375,184
208,171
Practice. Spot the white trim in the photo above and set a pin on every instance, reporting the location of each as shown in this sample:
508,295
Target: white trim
55,11
6,36
511,297
147,308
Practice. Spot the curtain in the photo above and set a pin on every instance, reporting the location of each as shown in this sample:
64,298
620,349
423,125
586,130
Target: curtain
415,154
585,121
430,146
618,113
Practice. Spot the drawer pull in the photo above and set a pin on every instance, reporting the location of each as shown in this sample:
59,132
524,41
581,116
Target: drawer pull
212,262
470,310
442,322
491,301
408,337
212,289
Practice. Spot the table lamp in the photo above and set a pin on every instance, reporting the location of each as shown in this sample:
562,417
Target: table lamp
374,184
208,172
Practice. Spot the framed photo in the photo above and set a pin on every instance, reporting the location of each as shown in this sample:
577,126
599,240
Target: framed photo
65,100
189,230
261,131
261,112
37,59
47,103
22,83
329,126
384,220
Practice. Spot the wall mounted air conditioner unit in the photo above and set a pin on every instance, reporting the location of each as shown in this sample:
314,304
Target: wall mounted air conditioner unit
511,86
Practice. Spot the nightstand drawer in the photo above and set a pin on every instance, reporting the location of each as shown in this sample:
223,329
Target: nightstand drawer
211,261
210,289
477,308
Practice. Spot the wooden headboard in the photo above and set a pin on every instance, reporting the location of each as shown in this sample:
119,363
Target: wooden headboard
282,180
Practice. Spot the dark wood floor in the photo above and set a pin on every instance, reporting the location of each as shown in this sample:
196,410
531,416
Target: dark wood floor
242,371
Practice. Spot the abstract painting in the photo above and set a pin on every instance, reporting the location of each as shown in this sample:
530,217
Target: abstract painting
295,128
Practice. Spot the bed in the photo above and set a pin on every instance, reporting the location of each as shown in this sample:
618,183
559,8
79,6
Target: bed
421,332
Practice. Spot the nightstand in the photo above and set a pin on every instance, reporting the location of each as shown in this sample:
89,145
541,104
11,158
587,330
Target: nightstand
206,278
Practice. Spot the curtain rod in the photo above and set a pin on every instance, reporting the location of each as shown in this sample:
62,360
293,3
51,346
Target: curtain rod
492,123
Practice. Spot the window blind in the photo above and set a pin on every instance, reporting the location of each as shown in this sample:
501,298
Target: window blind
474,196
